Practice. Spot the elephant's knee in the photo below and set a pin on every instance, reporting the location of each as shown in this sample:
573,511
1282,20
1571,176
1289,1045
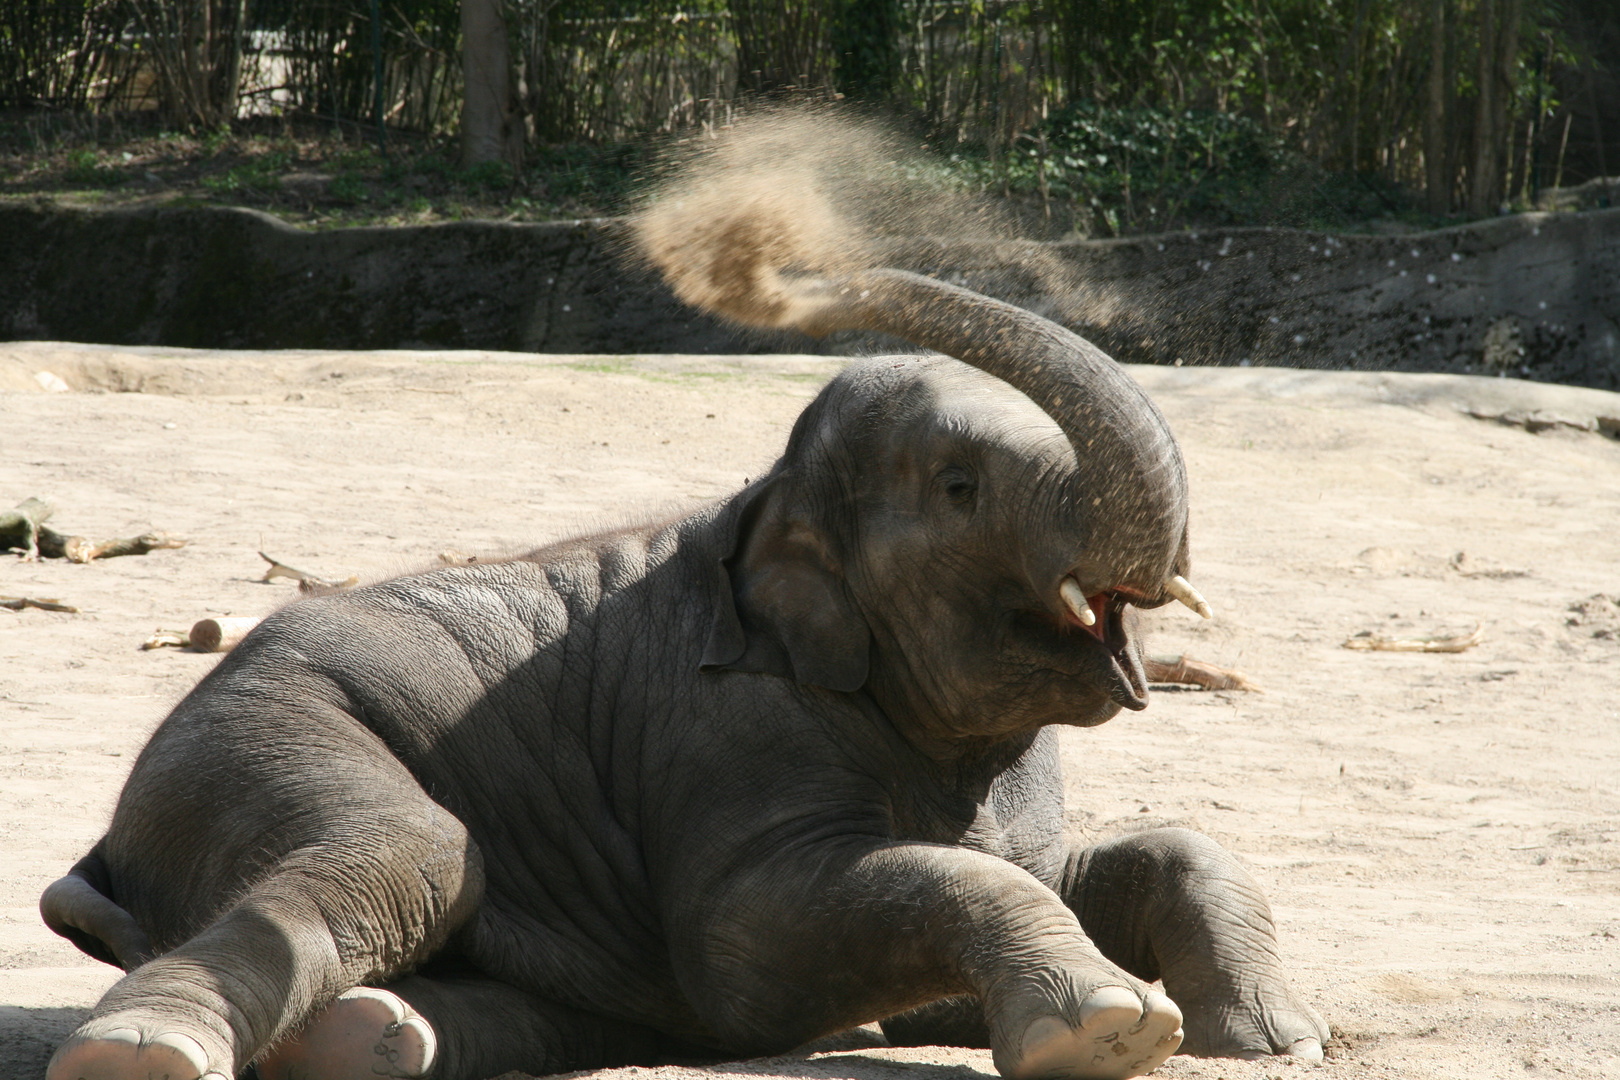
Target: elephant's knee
391,891
1183,851
1140,862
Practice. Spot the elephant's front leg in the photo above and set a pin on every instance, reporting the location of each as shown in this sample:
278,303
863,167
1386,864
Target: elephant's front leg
1173,904
842,935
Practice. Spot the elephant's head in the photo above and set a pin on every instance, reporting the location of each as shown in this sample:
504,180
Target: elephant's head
966,543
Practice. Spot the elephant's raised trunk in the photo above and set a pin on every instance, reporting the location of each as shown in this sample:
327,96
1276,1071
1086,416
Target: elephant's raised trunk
1132,464
1099,407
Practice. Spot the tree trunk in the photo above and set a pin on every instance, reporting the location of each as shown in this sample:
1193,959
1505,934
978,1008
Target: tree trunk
1356,59
1482,171
490,130
225,90
1437,176
196,61
1507,57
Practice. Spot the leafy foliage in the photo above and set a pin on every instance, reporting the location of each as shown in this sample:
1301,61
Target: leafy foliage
1115,170
1125,114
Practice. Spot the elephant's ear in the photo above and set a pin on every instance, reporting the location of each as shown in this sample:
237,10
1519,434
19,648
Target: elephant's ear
783,607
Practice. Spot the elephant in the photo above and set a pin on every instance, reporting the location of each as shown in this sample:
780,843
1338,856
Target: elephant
709,786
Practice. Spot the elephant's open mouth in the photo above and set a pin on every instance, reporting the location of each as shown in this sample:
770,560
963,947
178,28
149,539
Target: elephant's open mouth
1104,654
1123,675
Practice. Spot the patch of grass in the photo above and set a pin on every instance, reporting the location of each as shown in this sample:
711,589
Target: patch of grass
261,174
215,141
490,175
348,188
605,365
685,378
84,167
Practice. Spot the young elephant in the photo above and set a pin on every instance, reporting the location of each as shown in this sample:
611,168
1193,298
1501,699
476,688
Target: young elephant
712,786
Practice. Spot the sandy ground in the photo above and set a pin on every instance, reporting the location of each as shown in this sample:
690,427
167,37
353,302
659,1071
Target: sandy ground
1438,833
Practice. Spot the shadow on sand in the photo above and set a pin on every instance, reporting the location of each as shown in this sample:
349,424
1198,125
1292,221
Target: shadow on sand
28,1036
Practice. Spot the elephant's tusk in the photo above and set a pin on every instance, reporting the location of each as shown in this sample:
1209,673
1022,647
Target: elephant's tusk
1179,588
1075,601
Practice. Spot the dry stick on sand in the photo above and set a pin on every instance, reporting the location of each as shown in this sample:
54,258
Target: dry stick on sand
160,638
17,603
1189,672
1367,641
307,583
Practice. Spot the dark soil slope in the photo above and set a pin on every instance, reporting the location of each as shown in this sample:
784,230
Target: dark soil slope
1534,296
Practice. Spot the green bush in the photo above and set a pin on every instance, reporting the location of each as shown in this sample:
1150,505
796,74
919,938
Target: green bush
1118,170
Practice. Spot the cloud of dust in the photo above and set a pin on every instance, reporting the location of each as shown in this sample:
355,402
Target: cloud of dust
739,221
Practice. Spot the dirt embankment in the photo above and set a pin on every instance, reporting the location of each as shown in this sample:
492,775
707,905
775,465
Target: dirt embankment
1439,834
1535,294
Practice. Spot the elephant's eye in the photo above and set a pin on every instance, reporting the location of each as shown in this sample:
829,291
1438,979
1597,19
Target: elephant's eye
957,483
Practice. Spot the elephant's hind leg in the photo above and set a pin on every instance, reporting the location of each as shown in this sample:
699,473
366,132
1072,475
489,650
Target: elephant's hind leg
1173,904
373,887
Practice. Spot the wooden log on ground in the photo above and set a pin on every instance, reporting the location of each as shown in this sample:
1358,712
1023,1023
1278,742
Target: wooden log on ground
80,549
220,635
1186,671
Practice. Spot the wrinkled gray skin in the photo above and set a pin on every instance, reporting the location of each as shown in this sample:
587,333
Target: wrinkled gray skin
713,786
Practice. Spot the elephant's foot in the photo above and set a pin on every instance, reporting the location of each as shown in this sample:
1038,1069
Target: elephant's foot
1254,1024
1119,1033
126,1053
364,1034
